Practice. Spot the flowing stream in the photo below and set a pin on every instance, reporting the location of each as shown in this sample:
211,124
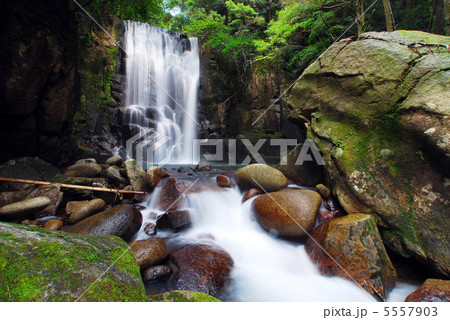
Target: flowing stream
265,268
162,80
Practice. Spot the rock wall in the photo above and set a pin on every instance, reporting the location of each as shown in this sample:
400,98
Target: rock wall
378,109
39,84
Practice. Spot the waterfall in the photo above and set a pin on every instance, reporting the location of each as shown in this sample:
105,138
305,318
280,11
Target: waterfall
162,80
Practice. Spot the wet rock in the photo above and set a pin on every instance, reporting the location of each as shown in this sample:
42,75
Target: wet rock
326,215
250,193
195,186
24,208
79,210
260,176
223,181
176,220
202,268
60,266
182,296
203,165
114,176
169,197
136,175
185,169
433,290
156,273
83,169
150,229
306,173
288,213
53,193
15,196
355,244
88,160
54,224
149,252
122,221
154,176
323,191
114,161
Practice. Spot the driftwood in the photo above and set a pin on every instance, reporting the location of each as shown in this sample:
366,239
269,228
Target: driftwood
71,186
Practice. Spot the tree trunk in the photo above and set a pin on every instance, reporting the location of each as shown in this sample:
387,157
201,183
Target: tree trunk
360,19
388,15
438,17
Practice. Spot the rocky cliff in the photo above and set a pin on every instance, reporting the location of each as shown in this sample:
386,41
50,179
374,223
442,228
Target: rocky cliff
378,109
39,85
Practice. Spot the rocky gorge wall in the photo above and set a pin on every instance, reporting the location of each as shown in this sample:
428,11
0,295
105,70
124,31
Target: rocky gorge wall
39,84
378,109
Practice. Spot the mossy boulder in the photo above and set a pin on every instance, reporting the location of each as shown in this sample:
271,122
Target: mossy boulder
182,296
260,176
357,252
40,265
378,110
136,175
287,213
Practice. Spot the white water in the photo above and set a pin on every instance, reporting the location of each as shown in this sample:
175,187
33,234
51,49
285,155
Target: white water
265,268
162,79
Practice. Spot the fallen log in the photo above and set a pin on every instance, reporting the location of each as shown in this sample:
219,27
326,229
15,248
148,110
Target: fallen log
71,186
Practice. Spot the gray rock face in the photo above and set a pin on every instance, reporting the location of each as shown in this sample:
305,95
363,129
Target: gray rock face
121,221
379,112
38,260
24,208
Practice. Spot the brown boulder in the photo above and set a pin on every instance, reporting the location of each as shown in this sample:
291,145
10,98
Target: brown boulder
79,210
150,229
149,252
84,169
54,224
250,193
175,220
154,176
288,213
357,252
433,290
223,181
122,221
169,197
202,268
23,208
261,176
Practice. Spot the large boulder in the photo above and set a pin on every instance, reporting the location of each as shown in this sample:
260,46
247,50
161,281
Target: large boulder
288,213
202,268
353,250
378,110
122,221
149,252
260,176
176,220
39,265
433,290
154,176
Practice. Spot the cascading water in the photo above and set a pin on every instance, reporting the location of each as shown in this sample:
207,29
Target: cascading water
265,268
162,79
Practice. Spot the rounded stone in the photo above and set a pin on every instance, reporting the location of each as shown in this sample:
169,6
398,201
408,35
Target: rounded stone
261,176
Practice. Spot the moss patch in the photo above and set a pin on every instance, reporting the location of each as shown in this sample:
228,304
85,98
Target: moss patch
42,265
182,296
